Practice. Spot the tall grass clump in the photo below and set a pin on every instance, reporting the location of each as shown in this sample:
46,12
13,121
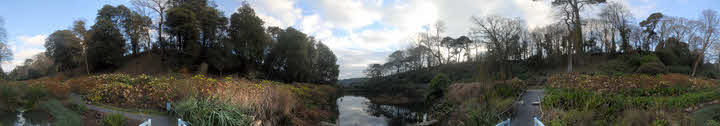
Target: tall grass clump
114,119
62,115
15,95
211,112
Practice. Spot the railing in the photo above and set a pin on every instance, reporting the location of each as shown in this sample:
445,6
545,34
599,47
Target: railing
504,123
181,122
147,123
536,122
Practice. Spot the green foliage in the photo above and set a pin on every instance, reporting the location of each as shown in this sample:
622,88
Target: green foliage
438,87
651,68
62,115
106,45
679,69
616,67
706,115
480,117
64,48
712,123
247,37
210,112
114,119
16,96
78,108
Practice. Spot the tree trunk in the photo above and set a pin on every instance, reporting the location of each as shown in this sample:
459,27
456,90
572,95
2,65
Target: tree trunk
697,61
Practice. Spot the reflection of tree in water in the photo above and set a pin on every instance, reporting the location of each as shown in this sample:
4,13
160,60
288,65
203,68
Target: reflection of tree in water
397,115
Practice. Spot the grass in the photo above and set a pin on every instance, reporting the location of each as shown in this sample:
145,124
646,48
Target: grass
62,115
476,103
210,112
706,114
18,95
643,99
114,119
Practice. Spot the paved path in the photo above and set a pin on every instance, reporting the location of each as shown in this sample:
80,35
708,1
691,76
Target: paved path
524,110
157,120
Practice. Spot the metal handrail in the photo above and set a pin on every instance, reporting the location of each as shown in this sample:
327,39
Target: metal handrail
504,123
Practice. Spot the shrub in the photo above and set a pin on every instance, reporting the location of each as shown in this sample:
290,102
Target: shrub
668,56
78,108
210,112
651,68
438,86
114,119
21,95
679,69
62,115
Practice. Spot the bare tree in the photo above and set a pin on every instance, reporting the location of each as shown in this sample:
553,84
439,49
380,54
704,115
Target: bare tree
570,12
159,6
5,52
618,16
501,35
708,31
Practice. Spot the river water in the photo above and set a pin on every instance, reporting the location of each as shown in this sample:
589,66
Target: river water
360,111
31,118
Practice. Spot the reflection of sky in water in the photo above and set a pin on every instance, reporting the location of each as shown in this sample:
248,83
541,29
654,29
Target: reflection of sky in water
353,112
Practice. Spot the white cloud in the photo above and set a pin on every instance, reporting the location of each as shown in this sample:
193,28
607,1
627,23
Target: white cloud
282,13
37,40
24,47
19,57
364,32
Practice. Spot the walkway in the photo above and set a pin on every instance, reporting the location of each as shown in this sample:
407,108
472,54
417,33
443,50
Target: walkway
157,120
527,108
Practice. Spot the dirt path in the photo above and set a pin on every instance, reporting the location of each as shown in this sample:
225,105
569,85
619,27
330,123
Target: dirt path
524,110
157,120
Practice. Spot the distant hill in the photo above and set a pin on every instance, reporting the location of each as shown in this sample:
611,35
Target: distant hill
351,81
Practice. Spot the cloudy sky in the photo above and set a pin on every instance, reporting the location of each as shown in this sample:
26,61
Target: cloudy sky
360,32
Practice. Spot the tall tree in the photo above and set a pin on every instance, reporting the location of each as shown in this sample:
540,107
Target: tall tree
709,32
64,47
618,16
650,24
290,59
326,66
159,6
81,33
106,45
501,35
247,37
571,15
374,71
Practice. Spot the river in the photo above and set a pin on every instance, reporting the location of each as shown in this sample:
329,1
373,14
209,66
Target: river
358,110
31,118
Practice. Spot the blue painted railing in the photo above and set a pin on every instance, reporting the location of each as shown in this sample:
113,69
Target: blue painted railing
504,123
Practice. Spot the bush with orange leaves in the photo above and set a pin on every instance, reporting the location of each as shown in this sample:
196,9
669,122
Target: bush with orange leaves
55,87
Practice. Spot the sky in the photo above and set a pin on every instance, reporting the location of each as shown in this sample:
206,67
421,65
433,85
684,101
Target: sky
359,32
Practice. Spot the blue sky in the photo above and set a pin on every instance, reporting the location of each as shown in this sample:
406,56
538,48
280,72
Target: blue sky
360,32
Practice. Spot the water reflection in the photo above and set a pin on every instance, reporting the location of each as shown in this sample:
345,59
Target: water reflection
21,118
359,111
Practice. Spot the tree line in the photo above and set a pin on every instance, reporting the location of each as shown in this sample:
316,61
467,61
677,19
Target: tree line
192,35
503,42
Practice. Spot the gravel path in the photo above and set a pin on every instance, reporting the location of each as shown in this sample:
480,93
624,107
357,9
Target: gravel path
525,110
157,120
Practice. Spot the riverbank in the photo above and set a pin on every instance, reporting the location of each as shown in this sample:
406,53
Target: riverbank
243,102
